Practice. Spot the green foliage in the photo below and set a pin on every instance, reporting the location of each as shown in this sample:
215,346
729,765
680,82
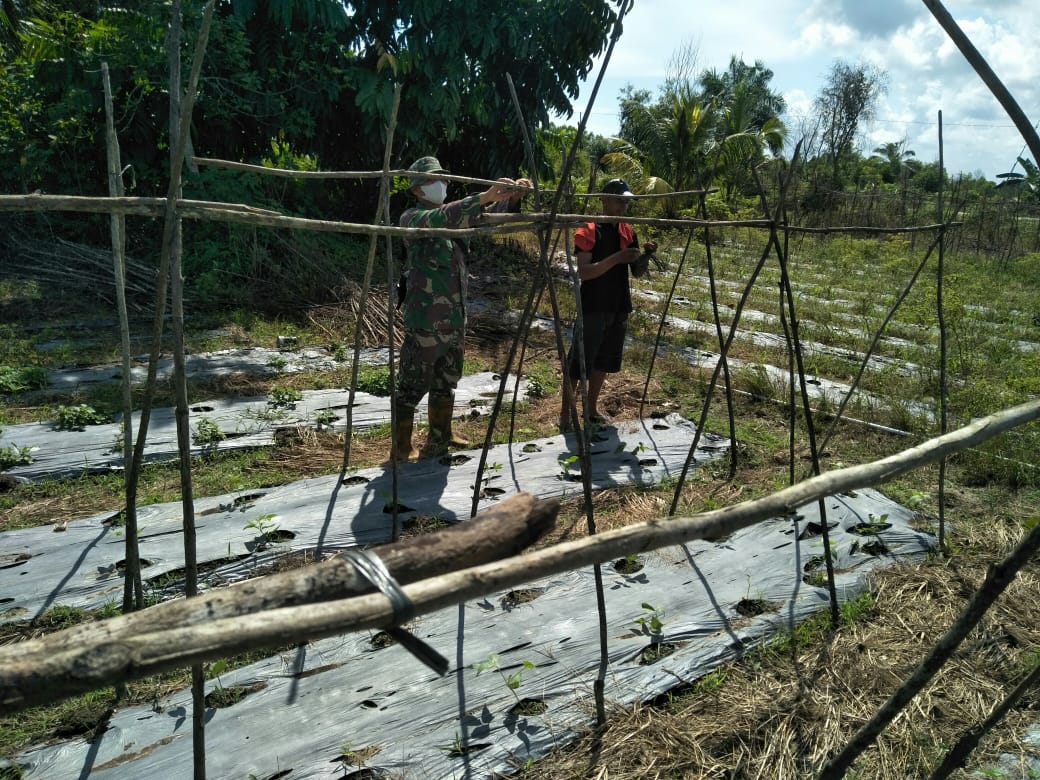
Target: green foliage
78,417
512,681
297,84
13,455
18,379
652,623
265,525
541,380
207,434
284,397
374,380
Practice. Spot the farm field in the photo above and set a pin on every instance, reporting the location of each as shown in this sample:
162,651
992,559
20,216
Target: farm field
843,290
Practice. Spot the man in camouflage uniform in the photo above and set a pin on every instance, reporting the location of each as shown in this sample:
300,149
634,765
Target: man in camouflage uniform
435,302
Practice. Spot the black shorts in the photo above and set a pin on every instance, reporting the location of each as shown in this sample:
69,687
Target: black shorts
604,343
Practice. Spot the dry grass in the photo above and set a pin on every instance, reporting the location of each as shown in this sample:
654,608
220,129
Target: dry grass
783,711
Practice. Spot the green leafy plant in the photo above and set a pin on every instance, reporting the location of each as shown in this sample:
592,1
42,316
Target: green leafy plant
284,397
325,417
206,434
17,380
265,526
13,455
652,623
374,380
78,417
512,681
566,464
215,669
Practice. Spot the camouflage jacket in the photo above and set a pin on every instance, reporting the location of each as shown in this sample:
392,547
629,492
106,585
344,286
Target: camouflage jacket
436,272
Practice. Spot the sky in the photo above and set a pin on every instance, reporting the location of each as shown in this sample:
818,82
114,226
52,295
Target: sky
799,40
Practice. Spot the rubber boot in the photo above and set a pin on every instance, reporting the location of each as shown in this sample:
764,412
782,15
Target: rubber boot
441,409
403,439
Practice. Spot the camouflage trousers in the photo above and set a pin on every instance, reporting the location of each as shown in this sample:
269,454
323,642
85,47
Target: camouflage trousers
430,362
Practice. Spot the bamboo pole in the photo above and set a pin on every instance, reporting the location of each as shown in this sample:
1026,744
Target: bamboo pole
133,593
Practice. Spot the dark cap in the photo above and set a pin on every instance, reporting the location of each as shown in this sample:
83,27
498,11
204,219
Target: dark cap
424,165
617,187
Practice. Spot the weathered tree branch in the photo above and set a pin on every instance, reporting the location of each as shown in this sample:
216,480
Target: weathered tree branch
86,656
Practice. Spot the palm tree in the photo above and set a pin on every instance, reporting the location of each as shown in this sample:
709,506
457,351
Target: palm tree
897,162
666,147
743,137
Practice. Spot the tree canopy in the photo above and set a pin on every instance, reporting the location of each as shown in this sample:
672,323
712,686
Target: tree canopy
312,79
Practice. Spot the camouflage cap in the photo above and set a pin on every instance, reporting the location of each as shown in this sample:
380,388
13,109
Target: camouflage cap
424,165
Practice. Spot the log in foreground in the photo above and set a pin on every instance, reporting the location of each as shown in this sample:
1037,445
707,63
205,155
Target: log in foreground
92,655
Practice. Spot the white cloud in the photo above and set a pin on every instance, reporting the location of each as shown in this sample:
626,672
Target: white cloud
800,41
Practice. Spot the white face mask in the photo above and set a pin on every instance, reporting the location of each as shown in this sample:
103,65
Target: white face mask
435,192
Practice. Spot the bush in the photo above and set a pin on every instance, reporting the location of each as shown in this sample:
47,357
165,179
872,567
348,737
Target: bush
16,380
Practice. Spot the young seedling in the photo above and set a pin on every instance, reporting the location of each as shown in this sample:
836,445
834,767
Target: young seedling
265,526
652,623
512,681
324,418
566,464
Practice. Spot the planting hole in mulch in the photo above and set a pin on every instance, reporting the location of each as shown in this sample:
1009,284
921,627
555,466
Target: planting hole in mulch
528,707
491,492
121,565
458,750
753,607
357,479
457,459
876,548
515,598
647,462
813,529
628,565
360,757
367,773
118,519
279,535
867,529
202,408
532,448
423,524
247,499
11,561
655,651
225,697
813,563
388,508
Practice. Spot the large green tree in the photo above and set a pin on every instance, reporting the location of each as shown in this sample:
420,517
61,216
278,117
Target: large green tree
312,78
847,100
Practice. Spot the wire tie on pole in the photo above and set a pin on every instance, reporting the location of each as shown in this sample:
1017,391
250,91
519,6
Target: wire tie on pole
370,566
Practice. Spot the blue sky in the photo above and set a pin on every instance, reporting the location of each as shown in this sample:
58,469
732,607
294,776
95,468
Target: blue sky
799,40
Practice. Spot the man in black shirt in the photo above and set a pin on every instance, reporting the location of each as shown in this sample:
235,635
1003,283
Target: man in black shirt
604,253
